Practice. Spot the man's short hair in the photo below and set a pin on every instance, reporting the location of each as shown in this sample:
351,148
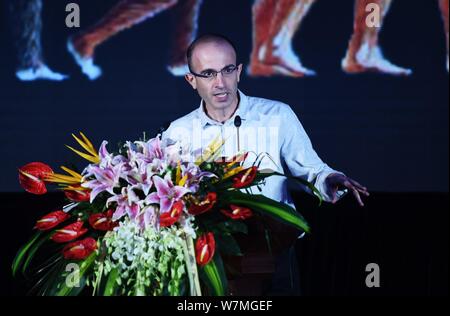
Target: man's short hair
207,38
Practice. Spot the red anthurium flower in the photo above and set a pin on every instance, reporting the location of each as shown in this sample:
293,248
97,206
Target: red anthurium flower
170,218
78,195
51,220
203,206
238,212
79,249
245,177
69,232
102,221
32,176
204,248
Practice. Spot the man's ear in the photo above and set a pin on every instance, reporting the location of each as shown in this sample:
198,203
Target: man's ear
191,80
239,72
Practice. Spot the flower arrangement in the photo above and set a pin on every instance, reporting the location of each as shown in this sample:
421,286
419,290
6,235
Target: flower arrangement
147,220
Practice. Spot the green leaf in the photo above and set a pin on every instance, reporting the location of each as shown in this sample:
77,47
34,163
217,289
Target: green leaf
111,283
73,291
310,186
44,273
62,288
32,251
98,278
20,256
47,264
213,274
50,280
269,173
262,204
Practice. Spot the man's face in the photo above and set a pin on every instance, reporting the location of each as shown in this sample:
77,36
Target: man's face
219,93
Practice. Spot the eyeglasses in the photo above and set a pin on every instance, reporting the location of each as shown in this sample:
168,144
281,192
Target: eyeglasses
211,73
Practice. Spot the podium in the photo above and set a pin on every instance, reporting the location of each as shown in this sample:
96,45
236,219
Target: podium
251,274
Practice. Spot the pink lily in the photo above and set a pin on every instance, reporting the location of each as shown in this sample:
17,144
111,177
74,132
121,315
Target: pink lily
106,179
166,193
127,203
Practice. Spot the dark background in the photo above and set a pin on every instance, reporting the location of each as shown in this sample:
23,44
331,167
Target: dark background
389,133
405,234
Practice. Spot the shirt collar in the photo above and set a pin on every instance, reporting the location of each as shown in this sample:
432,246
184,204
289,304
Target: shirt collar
242,111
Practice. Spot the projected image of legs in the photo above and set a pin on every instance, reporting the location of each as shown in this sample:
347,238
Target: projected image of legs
27,27
124,15
185,31
275,23
443,5
364,53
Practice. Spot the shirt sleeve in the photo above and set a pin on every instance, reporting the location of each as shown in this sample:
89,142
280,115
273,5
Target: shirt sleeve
166,135
299,155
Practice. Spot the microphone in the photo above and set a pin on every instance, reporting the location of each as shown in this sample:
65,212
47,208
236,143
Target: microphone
238,123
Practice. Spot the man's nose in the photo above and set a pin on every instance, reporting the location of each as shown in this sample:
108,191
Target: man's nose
219,80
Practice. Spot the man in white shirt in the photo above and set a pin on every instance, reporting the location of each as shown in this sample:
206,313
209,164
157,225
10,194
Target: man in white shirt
257,126
251,124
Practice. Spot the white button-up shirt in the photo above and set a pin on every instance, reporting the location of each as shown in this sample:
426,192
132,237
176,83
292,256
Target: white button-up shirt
269,127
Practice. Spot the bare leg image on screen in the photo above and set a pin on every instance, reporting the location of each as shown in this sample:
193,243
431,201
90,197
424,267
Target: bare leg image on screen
124,15
443,5
185,31
275,23
363,53
26,21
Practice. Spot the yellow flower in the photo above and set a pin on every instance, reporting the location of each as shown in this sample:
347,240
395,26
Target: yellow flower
91,155
212,151
232,172
73,178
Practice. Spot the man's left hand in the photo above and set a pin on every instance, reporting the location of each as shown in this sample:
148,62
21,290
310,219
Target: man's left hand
338,181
